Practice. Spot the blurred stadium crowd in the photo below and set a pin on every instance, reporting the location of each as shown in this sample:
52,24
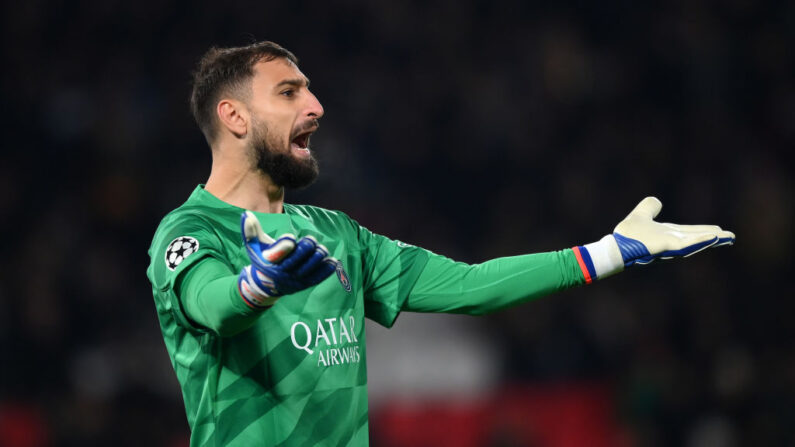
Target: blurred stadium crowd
472,128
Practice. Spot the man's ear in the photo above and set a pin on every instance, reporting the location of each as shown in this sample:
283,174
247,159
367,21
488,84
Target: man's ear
233,116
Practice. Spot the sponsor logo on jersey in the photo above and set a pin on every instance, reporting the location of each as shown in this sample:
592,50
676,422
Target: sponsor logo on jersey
332,340
179,249
343,277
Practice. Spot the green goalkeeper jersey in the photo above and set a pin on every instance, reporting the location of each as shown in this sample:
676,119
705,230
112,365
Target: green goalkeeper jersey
296,373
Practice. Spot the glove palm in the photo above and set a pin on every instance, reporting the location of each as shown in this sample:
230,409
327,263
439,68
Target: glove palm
641,240
638,239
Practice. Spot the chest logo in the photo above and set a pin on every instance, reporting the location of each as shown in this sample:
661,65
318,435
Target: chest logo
179,249
343,277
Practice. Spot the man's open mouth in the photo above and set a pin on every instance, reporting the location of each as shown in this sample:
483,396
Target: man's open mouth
301,141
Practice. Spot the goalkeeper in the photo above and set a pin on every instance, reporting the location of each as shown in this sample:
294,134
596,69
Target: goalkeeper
262,303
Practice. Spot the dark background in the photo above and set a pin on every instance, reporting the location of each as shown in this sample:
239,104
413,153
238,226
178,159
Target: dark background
472,128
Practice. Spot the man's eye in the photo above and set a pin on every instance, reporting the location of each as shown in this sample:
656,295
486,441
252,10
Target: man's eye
288,93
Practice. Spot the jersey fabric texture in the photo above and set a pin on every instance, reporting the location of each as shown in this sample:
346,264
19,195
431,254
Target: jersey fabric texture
297,375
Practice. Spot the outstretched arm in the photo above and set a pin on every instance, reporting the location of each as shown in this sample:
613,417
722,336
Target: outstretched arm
455,287
426,282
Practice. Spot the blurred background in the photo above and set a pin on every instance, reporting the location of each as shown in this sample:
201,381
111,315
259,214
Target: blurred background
475,129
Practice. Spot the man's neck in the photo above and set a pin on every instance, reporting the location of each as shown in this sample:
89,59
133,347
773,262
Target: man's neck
234,182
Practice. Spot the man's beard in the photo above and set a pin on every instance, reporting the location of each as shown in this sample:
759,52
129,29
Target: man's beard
283,168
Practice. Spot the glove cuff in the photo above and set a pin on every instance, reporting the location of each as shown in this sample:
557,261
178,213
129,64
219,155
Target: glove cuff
252,293
601,259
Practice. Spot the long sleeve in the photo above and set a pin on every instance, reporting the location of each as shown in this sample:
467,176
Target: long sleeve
208,293
400,276
455,287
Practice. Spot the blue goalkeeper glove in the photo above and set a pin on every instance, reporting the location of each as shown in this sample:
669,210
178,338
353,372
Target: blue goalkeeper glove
279,267
638,239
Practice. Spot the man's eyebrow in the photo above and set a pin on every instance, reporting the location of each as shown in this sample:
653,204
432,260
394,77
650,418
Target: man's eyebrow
297,82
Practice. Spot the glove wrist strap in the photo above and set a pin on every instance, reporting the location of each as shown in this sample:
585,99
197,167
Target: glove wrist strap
252,294
600,259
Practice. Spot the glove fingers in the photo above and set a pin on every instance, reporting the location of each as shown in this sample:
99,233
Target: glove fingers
280,249
322,271
685,240
317,257
304,248
725,238
713,229
690,249
648,208
686,235
693,234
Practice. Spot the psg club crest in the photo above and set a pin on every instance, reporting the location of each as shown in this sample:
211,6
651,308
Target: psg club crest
179,249
343,277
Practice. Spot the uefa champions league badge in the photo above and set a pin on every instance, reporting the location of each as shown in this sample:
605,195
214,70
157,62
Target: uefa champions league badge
343,277
179,249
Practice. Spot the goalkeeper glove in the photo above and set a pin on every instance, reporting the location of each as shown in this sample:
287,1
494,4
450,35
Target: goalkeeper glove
638,239
279,267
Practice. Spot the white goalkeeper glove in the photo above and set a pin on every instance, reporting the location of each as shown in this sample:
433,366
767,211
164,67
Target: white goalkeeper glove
638,239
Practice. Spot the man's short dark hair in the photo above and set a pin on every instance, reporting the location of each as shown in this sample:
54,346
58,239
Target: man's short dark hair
227,71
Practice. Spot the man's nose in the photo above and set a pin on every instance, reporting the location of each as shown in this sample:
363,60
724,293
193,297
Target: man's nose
313,107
